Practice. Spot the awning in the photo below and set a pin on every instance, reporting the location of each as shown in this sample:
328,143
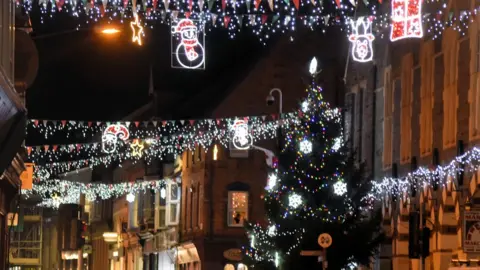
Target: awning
187,253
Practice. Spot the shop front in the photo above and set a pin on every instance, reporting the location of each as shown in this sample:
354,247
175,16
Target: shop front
188,258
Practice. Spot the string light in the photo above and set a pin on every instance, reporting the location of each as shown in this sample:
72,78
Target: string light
425,177
55,192
158,139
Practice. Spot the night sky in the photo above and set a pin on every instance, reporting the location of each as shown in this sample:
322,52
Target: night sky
84,75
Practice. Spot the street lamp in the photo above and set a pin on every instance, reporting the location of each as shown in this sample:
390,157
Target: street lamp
271,99
110,31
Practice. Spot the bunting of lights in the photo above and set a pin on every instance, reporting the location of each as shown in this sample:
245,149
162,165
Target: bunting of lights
55,192
264,18
427,177
125,141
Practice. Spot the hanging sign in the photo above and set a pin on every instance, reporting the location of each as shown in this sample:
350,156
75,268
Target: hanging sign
471,239
187,45
111,135
361,39
242,139
406,19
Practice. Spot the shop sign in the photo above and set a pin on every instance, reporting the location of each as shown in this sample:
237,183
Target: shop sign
471,237
233,254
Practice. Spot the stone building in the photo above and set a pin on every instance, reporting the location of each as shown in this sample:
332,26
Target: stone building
416,105
12,126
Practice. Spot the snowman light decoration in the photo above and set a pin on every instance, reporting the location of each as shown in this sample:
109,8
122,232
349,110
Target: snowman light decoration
189,52
111,135
242,139
362,38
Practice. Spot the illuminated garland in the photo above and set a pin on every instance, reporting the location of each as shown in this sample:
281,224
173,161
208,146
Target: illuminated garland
56,192
50,158
262,240
427,177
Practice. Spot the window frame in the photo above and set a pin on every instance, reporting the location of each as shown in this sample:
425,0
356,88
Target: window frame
229,208
169,202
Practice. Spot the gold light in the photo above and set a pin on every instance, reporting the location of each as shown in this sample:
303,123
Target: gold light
215,152
110,31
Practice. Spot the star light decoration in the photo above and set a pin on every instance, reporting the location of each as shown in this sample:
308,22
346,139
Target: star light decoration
294,200
137,30
306,146
137,148
340,188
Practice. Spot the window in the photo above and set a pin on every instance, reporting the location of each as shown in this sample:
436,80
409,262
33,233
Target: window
96,207
358,138
450,89
173,203
349,119
6,39
426,97
406,109
161,209
477,53
237,208
388,118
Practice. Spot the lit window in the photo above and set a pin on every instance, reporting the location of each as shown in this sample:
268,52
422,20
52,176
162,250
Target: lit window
173,203
237,208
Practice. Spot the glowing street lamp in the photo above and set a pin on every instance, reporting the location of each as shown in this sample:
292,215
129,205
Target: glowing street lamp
110,31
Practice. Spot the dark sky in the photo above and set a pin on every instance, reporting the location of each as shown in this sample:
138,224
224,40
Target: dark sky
86,76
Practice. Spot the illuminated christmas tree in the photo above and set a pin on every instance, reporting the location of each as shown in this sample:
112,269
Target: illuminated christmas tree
315,188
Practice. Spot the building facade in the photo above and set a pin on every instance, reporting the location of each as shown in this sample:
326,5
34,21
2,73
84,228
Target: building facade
417,105
12,126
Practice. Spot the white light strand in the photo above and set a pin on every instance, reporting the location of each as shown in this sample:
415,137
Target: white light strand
425,177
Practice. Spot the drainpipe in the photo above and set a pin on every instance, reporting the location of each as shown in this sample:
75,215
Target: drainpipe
374,118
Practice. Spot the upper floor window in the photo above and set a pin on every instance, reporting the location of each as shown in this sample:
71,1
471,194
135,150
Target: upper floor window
6,38
237,208
388,118
173,193
477,53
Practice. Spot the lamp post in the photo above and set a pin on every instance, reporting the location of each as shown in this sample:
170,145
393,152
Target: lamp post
271,99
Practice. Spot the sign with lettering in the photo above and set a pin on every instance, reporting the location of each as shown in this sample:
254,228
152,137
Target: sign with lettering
233,254
471,229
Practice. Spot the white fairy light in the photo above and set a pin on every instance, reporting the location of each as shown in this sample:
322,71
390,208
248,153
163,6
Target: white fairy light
305,106
272,230
272,182
337,143
130,197
306,146
340,188
163,194
294,200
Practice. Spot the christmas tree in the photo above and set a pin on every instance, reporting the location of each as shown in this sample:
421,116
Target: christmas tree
315,188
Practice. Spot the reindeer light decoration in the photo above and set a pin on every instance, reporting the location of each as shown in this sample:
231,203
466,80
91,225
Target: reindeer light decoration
362,38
